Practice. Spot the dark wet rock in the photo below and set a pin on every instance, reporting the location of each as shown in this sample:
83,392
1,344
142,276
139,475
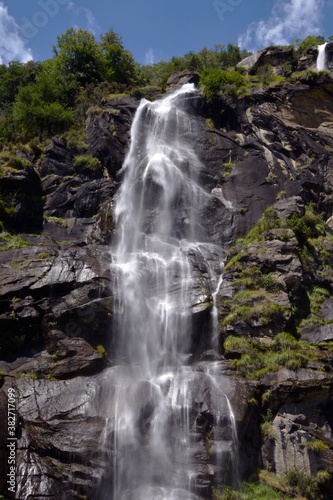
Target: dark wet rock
75,198
21,192
108,133
57,160
103,225
329,53
66,358
68,289
73,229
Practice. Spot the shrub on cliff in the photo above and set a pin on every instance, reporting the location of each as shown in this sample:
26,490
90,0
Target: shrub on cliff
87,163
308,42
35,114
214,80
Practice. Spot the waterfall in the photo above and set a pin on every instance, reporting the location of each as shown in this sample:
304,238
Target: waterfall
322,58
161,247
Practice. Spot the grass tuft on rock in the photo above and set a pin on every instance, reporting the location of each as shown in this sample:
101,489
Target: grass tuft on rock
11,242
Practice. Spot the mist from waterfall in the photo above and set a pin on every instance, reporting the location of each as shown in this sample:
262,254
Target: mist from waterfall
322,58
161,238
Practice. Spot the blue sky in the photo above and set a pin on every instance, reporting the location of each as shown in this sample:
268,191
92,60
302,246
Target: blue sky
159,29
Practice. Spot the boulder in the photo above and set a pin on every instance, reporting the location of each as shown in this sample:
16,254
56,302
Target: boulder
275,56
179,78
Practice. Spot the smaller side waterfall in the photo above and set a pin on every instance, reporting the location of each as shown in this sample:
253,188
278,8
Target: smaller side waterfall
322,58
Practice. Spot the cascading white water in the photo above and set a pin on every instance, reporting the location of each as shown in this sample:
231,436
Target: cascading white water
322,57
161,231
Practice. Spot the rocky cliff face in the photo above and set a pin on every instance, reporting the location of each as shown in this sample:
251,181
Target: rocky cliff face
272,148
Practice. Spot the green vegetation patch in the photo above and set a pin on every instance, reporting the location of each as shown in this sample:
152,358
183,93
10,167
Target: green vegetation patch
57,220
302,484
11,242
254,306
296,484
7,212
101,351
269,220
250,491
258,288
87,163
302,46
13,161
76,139
317,445
257,358
217,82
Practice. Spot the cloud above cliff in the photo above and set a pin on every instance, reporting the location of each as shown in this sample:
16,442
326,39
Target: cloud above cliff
149,58
12,46
83,12
289,20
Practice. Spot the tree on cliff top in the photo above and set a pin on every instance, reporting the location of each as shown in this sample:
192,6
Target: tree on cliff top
308,42
79,56
118,63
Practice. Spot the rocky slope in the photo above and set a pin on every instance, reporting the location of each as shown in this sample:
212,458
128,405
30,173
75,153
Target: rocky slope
271,148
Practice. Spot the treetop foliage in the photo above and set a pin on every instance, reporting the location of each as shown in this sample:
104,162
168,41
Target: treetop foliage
38,98
303,46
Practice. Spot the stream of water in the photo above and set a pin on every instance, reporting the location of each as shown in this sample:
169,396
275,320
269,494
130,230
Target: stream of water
158,393
322,57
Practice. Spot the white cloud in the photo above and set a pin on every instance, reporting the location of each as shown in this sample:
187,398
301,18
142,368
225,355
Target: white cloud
87,13
12,47
289,20
149,59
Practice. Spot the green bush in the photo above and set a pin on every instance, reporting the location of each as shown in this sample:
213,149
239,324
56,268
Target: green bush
214,80
265,74
233,343
76,139
13,161
101,351
308,42
57,220
250,491
35,116
305,485
270,282
87,163
269,220
267,424
257,358
285,340
317,445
